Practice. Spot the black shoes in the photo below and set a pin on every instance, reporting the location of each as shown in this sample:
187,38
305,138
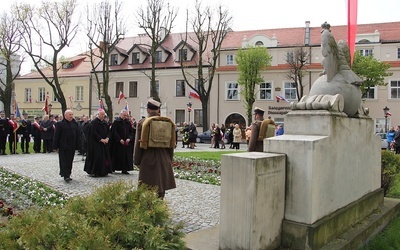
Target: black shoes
125,172
67,179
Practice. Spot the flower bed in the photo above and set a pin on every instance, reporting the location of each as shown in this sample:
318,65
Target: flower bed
193,169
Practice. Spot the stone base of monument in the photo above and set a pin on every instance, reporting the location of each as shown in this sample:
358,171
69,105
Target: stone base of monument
333,175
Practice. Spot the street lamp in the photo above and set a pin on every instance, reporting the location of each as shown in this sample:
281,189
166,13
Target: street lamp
386,112
189,107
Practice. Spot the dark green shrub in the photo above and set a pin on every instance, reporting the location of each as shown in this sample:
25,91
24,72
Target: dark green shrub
115,216
390,165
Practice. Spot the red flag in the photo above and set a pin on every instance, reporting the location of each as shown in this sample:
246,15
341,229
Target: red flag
389,114
352,26
46,106
193,94
121,96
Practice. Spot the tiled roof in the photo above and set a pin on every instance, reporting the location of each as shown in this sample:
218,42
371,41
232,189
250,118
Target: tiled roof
292,37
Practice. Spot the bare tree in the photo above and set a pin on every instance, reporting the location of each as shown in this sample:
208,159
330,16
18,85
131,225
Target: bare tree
157,21
48,29
105,29
10,40
210,29
297,61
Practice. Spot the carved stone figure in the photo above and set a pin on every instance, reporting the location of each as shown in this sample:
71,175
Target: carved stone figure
338,87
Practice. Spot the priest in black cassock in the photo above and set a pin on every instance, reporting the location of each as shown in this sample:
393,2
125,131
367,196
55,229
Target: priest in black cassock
66,140
121,143
97,161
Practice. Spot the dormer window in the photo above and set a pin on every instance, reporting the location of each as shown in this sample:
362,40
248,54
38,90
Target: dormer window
67,65
158,56
135,58
114,59
259,43
183,55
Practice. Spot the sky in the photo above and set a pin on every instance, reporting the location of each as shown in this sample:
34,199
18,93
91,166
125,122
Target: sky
258,14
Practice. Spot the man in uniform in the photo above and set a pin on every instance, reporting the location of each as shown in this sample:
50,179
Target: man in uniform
4,130
25,130
13,137
260,129
155,161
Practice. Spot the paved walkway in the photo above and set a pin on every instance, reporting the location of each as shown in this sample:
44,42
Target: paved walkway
194,203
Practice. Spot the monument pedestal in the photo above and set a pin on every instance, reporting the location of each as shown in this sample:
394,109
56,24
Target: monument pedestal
333,166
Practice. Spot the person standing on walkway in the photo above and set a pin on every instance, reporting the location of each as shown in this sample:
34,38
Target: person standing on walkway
25,130
260,129
98,160
4,130
36,134
154,149
47,132
121,143
13,137
66,139
237,137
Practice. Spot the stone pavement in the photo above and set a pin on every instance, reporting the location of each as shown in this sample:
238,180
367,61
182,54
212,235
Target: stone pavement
194,203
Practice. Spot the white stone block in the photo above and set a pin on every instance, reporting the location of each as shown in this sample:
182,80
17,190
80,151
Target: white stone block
252,200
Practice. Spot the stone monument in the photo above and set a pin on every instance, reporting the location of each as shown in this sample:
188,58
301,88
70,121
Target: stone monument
332,169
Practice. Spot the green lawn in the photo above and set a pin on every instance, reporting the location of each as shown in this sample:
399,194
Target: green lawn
208,155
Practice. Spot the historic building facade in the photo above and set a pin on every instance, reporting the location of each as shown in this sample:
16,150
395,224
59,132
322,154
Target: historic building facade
130,67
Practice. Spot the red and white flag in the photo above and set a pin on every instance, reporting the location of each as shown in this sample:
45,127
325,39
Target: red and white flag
46,106
280,98
193,94
121,96
389,114
101,106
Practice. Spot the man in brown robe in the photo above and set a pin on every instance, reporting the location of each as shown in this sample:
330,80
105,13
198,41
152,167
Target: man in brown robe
154,162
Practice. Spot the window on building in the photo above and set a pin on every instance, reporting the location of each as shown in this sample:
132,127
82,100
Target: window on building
133,85
259,43
183,55
119,87
289,57
28,95
158,56
232,91
266,91
114,59
229,60
366,52
198,117
180,88
290,91
398,53
79,93
369,94
395,89
135,58
67,65
42,94
179,117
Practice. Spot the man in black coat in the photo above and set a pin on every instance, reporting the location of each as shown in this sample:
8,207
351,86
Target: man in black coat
97,162
4,130
25,130
66,139
36,134
121,143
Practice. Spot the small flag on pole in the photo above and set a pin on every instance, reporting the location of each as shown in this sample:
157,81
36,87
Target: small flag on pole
126,106
121,96
101,106
46,106
70,102
389,114
193,94
280,98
